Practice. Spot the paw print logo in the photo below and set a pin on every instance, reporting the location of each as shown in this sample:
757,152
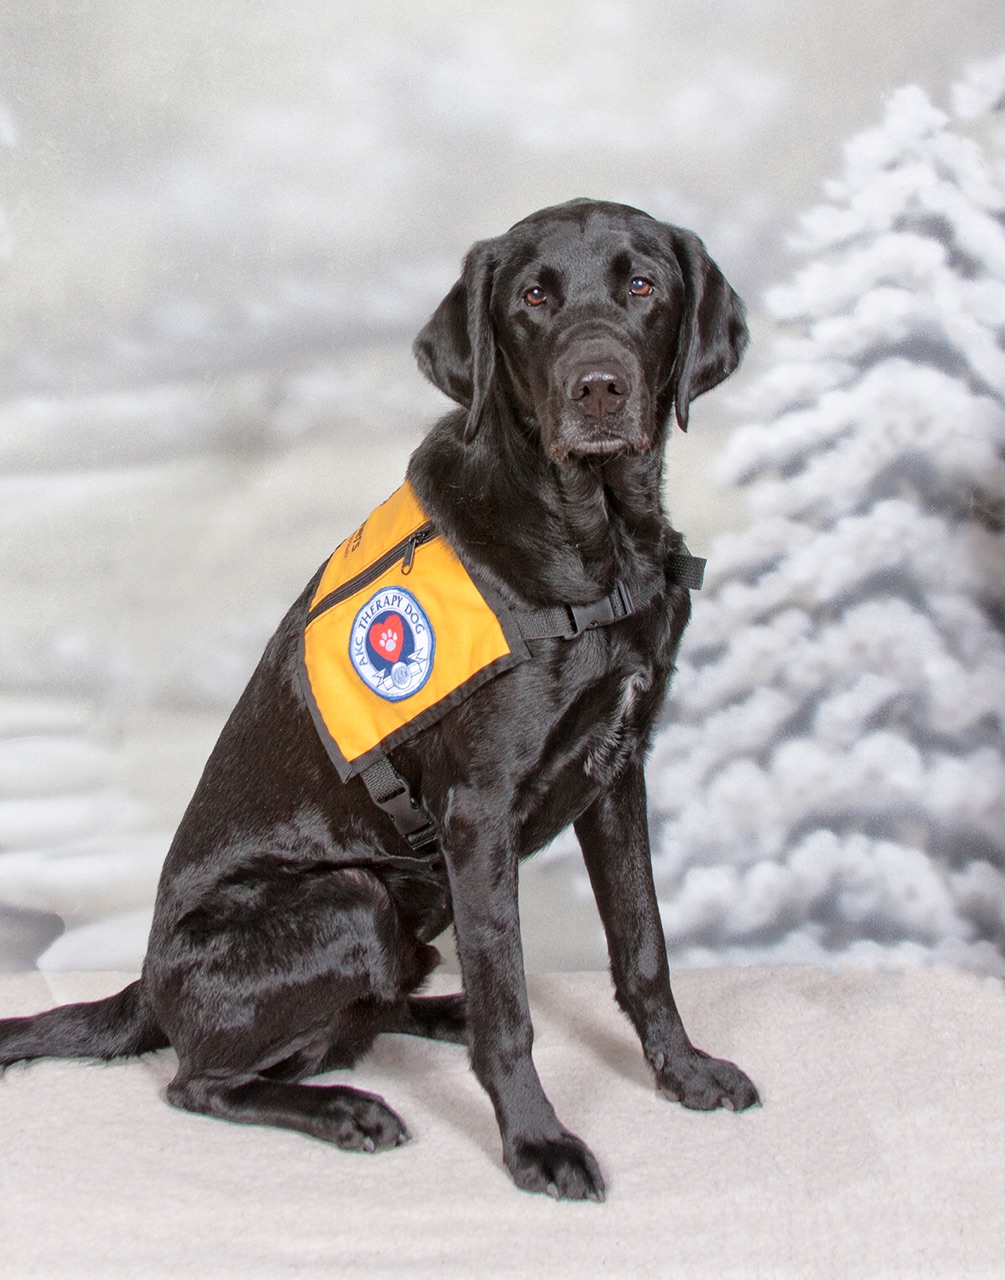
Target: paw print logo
387,636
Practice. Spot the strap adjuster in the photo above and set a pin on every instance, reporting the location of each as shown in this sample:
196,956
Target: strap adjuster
601,613
424,838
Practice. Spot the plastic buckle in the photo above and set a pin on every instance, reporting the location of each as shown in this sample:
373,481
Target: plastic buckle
406,815
588,617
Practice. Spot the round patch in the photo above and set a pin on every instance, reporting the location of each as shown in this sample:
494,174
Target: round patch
391,644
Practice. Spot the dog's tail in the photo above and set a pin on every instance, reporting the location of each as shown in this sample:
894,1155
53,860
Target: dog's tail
120,1026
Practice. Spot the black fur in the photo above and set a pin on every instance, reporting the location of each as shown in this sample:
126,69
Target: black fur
283,942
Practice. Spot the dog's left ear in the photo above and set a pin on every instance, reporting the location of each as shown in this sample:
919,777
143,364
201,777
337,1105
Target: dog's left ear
456,349
713,332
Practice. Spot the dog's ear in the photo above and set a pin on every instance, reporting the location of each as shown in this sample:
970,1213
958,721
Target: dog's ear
713,332
456,349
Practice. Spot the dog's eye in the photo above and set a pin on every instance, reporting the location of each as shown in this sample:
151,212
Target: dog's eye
535,297
640,287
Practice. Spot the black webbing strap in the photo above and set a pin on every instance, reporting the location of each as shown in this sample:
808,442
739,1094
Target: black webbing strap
564,621
389,790
686,570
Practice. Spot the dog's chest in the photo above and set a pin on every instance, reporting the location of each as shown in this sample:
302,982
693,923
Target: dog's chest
613,683
614,736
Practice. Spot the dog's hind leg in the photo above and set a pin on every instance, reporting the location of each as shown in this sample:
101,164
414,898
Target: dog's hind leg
281,973
347,1117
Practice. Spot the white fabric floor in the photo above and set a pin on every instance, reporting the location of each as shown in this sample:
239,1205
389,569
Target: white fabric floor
879,1150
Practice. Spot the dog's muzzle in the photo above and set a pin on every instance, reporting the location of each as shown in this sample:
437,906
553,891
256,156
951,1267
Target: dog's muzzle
599,404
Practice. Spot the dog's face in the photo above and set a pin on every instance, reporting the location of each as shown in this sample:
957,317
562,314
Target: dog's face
595,318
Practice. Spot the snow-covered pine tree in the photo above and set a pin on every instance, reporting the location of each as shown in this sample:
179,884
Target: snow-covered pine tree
979,107
831,779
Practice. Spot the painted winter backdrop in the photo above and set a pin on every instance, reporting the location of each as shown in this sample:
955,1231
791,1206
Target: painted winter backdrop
169,473
831,779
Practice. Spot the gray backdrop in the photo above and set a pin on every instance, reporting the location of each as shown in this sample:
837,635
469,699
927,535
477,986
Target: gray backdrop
222,227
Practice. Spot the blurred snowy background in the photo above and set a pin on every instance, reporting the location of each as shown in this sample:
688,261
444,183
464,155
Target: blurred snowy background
221,228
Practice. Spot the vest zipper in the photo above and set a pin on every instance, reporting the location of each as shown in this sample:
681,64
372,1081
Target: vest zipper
403,551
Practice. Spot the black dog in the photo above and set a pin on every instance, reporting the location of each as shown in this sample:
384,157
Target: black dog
294,914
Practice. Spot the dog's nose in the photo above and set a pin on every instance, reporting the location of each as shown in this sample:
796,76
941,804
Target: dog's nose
598,389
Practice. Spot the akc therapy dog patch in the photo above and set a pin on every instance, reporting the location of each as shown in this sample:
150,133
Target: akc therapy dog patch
396,634
392,644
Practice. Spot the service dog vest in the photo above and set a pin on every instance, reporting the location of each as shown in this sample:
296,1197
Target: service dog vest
398,632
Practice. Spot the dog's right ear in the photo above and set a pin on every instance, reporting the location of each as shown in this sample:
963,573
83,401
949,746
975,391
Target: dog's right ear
456,349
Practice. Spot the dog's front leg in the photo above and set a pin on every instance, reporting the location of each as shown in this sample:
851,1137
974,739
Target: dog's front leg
614,836
540,1153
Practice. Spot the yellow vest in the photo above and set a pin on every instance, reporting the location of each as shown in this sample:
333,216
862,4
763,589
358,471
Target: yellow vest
397,634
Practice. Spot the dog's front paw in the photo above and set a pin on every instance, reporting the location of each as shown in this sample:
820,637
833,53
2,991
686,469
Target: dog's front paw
703,1083
562,1167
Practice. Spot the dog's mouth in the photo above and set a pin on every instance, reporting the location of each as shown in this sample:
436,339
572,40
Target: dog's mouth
620,429
560,449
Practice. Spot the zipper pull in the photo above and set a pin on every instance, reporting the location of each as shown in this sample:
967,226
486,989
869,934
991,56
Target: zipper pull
416,540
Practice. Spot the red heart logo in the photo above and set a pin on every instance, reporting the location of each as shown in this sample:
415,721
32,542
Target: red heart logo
387,635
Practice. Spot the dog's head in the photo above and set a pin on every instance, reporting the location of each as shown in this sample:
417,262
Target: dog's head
597,318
